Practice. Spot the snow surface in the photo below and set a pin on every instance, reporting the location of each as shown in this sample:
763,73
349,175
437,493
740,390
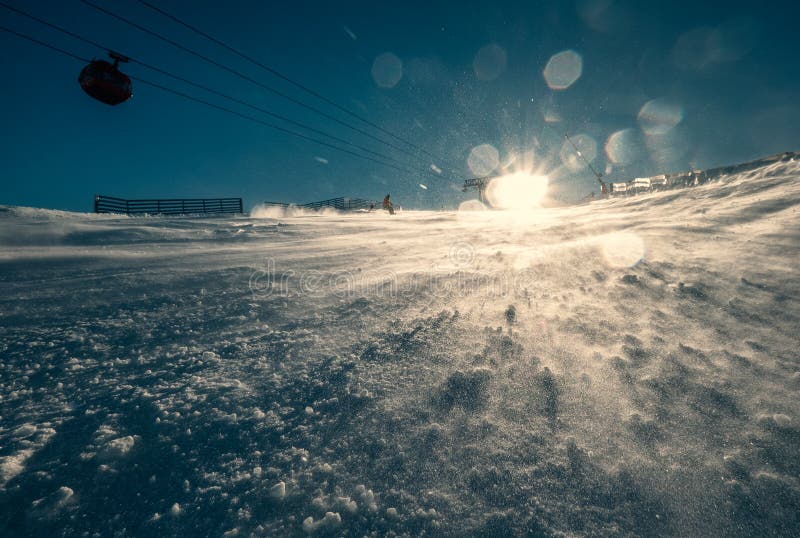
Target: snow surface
626,367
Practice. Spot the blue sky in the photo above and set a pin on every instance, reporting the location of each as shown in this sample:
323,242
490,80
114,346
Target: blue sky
682,84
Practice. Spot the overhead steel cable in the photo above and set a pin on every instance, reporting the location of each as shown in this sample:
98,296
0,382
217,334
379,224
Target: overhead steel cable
597,174
53,26
267,124
46,45
212,90
246,77
285,78
213,105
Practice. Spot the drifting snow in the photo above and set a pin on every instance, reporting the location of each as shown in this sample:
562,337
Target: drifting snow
624,367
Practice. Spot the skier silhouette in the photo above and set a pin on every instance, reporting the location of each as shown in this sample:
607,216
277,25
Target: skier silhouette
387,205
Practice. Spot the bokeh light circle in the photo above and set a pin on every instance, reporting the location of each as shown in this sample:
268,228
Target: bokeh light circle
563,70
483,159
387,70
490,62
624,147
659,116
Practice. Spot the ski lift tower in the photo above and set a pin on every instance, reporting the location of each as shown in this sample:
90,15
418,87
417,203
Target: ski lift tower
477,184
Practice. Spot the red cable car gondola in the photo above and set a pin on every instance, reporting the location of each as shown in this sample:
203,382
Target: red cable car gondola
105,82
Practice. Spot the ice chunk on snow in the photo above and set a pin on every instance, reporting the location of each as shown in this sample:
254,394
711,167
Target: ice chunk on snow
24,431
11,466
367,497
53,504
119,447
175,511
210,356
346,504
777,420
330,521
278,491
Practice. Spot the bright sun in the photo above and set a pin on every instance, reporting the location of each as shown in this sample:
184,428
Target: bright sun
520,190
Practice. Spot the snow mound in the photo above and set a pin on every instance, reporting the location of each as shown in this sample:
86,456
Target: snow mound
266,211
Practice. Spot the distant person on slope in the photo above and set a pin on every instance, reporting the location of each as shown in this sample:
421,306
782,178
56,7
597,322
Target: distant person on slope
387,205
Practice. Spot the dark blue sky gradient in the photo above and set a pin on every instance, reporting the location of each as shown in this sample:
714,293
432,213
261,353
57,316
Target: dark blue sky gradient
729,68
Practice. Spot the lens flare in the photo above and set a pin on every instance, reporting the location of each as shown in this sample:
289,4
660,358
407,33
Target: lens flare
517,191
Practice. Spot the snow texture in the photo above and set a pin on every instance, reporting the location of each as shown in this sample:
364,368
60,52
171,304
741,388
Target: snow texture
625,367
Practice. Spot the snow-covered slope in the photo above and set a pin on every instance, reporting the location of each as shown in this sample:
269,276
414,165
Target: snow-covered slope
627,367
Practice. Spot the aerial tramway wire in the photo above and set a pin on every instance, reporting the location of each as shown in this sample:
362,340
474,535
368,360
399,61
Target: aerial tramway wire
212,105
213,91
285,78
597,174
43,44
247,78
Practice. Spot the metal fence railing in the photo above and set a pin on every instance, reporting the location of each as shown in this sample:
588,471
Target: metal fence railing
344,204
168,206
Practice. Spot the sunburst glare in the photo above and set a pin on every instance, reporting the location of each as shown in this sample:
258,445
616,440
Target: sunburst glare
520,190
